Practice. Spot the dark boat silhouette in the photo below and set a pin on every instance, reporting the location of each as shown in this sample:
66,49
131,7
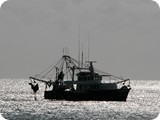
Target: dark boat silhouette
71,80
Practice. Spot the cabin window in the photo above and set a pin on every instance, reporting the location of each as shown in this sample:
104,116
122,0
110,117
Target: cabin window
94,87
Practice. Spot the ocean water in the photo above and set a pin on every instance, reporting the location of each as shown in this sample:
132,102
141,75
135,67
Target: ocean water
17,103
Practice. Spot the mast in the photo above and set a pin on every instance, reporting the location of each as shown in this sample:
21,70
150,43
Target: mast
82,57
88,48
73,72
79,47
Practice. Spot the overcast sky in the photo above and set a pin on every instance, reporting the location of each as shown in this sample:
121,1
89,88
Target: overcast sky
124,35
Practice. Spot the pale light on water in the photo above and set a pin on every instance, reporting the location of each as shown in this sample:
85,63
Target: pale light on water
17,103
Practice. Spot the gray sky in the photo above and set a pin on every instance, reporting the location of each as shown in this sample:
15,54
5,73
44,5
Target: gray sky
124,35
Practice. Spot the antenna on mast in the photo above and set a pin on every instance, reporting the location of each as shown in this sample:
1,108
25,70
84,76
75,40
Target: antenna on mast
88,48
63,51
66,51
79,47
82,57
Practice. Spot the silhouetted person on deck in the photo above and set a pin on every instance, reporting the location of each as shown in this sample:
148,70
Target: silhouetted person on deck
60,76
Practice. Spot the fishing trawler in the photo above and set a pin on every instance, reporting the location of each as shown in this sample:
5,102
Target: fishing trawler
71,80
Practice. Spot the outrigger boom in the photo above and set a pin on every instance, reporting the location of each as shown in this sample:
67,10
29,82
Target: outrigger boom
33,78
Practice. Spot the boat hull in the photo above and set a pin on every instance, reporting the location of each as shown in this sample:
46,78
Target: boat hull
96,95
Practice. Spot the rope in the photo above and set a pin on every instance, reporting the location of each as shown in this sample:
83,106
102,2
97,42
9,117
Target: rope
52,68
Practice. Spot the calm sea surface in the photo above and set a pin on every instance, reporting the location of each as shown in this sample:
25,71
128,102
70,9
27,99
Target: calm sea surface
17,103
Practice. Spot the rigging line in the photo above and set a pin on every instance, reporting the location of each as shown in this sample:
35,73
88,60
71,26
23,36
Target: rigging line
66,72
109,74
49,67
68,66
102,71
84,64
62,64
53,67
72,61
51,75
75,62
